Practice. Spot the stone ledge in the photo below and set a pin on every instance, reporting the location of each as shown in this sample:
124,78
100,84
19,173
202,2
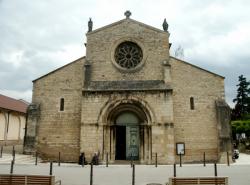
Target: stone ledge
147,85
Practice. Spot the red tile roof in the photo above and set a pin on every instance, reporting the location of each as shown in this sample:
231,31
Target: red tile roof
13,104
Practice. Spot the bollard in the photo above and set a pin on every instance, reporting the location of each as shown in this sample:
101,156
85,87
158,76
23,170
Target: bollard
180,161
156,160
131,161
174,170
1,152
11,167
228,162
91,173
13,149
51,168
14,156
36,158
107,159
215,169
59,159
204,159
133,174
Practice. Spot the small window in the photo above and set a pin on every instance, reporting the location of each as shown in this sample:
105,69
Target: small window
62,104
192,103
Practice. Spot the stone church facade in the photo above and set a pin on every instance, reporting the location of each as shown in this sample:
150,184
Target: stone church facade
129,98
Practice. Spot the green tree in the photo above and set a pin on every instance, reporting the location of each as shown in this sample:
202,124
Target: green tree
240,126
242,100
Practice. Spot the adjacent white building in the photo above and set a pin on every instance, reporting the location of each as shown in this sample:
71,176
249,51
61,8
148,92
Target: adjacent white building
12,120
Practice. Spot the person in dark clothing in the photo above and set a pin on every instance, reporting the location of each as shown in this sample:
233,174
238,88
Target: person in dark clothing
82,159
95,159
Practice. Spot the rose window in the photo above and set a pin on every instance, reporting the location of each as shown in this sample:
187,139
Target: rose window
128,55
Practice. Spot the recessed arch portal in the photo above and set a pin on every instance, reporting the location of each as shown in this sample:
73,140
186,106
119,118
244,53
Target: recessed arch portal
127,129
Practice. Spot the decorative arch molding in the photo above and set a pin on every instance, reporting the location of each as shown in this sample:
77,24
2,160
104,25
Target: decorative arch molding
112,109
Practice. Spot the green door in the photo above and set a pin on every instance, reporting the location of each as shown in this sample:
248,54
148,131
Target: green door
132,142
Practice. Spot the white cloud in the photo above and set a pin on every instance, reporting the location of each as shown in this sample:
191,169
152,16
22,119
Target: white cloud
15,58
25,95
67,53
39,36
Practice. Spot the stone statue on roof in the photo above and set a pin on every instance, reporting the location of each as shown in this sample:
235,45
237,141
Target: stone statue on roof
90,25
165,25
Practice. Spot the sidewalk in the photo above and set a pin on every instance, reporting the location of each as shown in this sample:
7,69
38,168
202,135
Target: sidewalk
244,159
122,174
74,174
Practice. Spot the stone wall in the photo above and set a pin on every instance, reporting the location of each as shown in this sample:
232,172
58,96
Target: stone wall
58,131
196,128
224,130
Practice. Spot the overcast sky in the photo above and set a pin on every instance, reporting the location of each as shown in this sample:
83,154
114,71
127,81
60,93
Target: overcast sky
39,36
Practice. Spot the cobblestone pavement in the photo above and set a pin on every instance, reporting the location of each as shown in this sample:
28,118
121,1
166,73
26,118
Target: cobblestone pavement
72,174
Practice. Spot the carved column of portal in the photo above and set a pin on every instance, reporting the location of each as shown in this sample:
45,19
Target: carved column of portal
112,143
149,143
142,152
107,142
103,142
146,143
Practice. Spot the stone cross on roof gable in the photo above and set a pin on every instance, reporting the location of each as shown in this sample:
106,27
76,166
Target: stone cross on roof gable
127,14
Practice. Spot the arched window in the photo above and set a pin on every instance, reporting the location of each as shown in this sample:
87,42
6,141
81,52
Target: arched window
192,103
62,104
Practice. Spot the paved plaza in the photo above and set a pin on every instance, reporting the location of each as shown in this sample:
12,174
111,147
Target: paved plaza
73,174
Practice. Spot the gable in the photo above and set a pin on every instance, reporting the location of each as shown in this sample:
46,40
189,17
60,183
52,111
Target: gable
58,69
173,59
124,22
103,43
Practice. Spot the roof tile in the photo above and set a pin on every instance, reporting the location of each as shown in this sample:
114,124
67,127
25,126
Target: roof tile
13,104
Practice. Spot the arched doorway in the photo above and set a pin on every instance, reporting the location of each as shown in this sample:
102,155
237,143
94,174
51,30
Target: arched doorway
127,136
127,128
